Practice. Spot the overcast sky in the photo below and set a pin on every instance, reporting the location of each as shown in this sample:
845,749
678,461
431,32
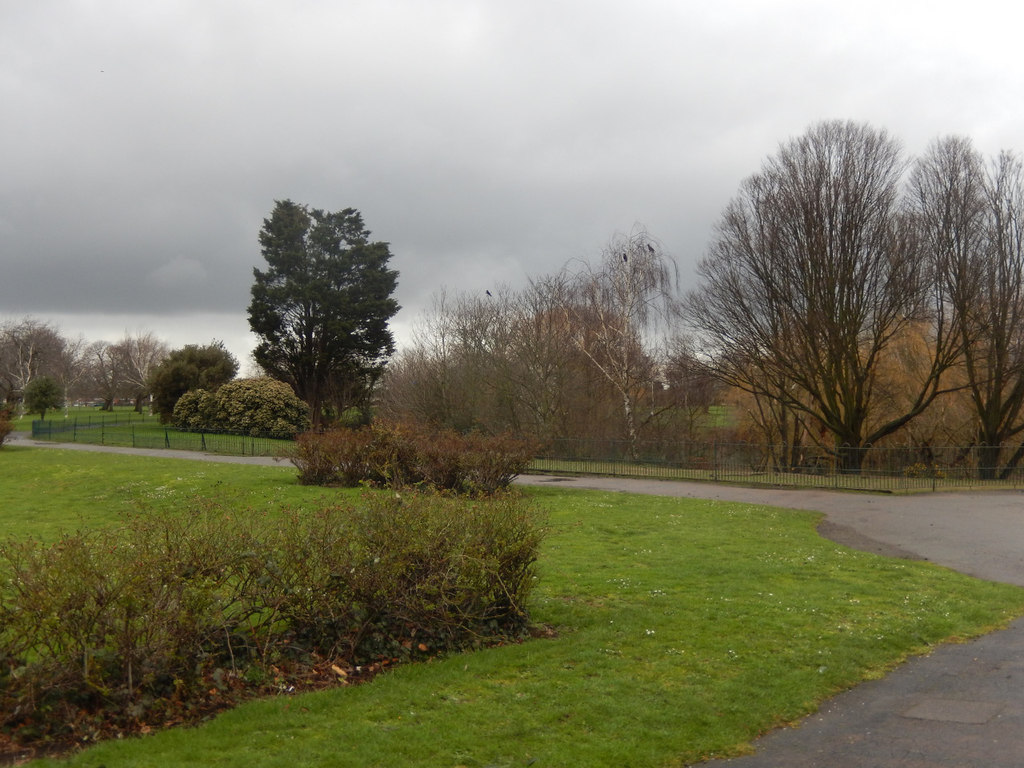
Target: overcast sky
142,142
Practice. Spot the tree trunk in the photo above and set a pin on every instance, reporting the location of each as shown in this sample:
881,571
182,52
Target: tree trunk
851,459
988,461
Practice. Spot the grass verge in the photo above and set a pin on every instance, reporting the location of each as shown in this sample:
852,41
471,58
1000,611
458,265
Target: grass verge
684,629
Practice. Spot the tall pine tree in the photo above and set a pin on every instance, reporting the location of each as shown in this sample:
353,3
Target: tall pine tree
321,308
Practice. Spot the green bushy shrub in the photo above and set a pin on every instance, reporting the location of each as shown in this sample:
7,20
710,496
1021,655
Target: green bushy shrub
193,410
260,406
138,625
399,455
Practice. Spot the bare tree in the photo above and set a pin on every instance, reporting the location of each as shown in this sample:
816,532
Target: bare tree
139,356
688,390
552,384
28,348
427,381
973,220
614,312
71,367
106,372
812,275
499,360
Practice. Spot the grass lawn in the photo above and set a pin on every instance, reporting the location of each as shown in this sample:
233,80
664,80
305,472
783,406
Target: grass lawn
684,629
124,427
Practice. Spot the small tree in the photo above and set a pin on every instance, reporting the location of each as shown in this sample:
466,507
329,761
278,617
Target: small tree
614,311
191,367
42,394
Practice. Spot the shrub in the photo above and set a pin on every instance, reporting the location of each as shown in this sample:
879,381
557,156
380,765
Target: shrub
405,575
920,469
6,427
492,463
170,616
400,455
260,406
42,394
193,409
121,621
339,457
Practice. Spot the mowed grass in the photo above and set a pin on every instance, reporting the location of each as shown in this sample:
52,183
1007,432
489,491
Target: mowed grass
126,428
684,629
46,490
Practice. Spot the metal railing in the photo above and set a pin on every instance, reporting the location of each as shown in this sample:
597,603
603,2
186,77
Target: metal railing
907,468
133,435
890,468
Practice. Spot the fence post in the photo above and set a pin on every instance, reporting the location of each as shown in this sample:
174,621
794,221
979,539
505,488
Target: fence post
202,440
714,461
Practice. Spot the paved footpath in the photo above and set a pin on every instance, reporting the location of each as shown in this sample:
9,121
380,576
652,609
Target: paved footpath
961,706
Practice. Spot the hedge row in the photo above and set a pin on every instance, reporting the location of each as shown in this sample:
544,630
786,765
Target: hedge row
142,625
402,455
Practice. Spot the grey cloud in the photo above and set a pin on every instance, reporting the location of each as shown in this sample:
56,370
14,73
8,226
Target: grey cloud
143,143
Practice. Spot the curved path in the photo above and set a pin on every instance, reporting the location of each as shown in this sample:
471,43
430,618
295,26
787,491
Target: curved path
958,707
962,705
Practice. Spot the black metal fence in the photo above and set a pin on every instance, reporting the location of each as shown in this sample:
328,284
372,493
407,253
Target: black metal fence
891,468
151,435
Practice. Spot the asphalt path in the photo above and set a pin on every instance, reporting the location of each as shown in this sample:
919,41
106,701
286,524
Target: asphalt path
960,706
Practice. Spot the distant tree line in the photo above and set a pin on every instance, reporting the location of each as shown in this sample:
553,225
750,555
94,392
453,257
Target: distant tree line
98,371
591,351
850,298
192,388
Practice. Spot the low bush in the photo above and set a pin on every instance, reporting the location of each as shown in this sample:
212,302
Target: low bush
170,617
400,455
920,469
194,410
6,427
